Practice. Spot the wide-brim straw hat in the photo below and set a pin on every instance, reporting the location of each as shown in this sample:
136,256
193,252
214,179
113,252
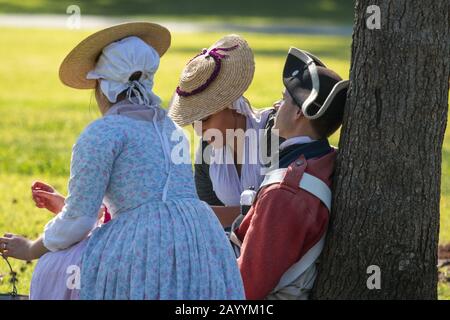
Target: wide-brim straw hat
205,88
84,56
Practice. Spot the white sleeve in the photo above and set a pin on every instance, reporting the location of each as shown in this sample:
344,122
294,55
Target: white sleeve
62,232
92,162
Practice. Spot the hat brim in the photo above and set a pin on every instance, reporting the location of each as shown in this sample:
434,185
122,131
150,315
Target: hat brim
231,83
83,57
339,88
303,84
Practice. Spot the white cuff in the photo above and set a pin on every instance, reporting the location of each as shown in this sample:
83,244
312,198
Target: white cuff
62,232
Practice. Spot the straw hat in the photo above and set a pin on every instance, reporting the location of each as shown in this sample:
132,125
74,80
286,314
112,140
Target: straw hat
83,57
213,80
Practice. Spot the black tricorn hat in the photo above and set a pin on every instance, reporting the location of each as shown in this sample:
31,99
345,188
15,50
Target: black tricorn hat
311,84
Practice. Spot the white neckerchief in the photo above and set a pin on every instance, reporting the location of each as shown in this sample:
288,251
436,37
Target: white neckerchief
295,140
242,106
226,182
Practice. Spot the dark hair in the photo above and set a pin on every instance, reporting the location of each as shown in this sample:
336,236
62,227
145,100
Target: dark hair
331,120
135,76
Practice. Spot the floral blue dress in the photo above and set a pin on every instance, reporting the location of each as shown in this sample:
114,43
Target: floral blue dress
162,241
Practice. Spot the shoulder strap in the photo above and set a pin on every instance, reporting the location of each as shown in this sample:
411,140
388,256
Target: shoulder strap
314,186
297,269
318,188
274,176
308,182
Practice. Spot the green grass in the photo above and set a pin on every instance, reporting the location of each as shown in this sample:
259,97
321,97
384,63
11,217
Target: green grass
444,291
40,118
295,11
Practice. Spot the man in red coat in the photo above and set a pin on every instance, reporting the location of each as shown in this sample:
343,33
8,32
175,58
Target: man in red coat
281,237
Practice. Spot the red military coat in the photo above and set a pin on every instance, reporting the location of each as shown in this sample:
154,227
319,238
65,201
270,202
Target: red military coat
282,225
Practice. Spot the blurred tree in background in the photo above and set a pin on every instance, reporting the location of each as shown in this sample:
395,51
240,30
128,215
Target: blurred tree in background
333,11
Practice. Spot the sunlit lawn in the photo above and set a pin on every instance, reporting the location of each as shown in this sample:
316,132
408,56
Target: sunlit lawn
40,118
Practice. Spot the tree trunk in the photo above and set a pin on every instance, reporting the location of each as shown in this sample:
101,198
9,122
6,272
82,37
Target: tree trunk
387,181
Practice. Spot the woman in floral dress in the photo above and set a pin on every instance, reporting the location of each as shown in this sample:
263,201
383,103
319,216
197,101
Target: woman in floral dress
162,241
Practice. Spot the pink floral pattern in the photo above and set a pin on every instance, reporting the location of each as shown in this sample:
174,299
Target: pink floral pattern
151,249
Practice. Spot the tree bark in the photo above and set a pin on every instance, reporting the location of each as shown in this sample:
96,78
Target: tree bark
388,171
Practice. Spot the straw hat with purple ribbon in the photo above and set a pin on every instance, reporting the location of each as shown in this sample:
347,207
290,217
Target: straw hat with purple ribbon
83,57
213,80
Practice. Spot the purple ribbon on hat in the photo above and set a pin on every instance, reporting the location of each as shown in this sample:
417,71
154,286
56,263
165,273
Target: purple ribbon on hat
218,65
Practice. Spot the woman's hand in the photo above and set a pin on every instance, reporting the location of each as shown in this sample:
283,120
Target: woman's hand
21,248
15,247
45,196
